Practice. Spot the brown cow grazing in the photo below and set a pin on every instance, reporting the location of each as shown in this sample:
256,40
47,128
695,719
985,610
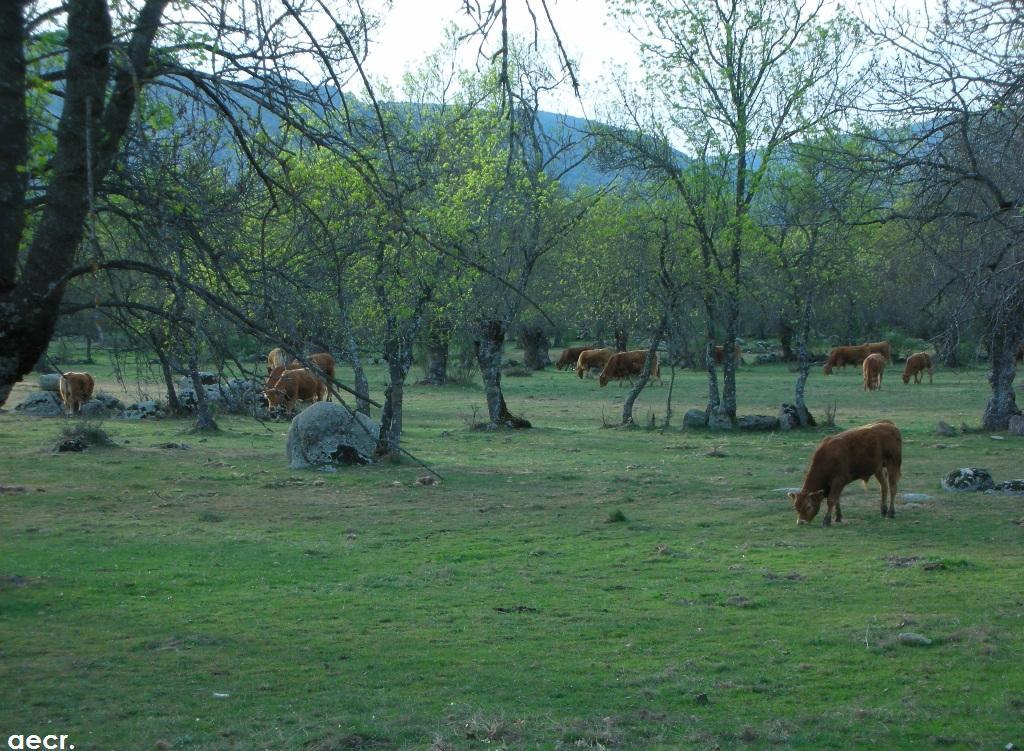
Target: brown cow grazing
720,354
593,358
874,366
286,387
858,454
916,366
569,357
627,364
840,357
75,389
882,348
321,360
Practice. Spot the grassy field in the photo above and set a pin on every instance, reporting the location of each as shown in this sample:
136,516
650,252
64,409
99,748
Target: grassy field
570,586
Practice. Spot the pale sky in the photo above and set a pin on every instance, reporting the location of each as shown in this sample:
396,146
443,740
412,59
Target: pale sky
414,28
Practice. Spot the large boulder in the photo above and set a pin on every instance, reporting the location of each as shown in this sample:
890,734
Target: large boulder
326,433
758,422
49,382
102,405
968,479
695,418
41,404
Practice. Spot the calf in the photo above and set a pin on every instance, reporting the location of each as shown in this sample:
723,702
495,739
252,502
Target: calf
75,389
627,364
873,367
916,366
569,357
874,450
840,357
593,358
284,388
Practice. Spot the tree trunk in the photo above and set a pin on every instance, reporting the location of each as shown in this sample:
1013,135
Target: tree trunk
804,369
438,343
1003,344
358,373
489,347
728,405
621,340
645,375
204,416
786,340
947,347
89,134
88,349
535,343
398,354
165,366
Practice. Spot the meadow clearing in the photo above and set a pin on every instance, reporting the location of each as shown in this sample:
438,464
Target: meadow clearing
569,586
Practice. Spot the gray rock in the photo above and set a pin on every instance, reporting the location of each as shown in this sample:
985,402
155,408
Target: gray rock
767,358
914,640
695,418
205,377
102,405
147,410
915,496
327,433
1012,486
41,404
1017,425
49,382
968,479
758,422
945,429
719,420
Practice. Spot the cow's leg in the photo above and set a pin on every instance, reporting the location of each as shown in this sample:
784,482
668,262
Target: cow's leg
883,480
892,496
827,521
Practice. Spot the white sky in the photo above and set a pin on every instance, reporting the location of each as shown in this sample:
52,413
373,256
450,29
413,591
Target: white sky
414,28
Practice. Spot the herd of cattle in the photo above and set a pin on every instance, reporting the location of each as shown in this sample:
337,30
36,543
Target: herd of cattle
873,450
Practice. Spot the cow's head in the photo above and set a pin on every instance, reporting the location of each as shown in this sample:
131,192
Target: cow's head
906,378
274,397
827,369
806,504
603,379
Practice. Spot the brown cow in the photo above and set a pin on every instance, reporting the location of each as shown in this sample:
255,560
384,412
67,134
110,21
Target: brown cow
916,366
321,360
840,357
75,389
873,367
857,454
882,348
569,357
593,358
627,364
287,387
720,354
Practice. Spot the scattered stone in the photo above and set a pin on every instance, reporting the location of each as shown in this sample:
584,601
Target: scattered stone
70,444
171,445
1016,425
767,358
41,404
102,405
1012,486
701,700
787,490
427,480
913,639
49,382
220,695
758,422
11,489
695,418
945,429
998,437
968,479
716,451
146,410
205,377
327,433
915,496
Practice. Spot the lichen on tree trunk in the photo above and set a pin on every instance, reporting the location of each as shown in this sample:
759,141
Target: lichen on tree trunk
438,342
535,343
489,348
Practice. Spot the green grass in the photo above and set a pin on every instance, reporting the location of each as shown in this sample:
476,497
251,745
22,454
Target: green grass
570,586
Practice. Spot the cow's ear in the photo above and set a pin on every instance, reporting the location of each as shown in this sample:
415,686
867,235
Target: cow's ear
818,495
792,497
